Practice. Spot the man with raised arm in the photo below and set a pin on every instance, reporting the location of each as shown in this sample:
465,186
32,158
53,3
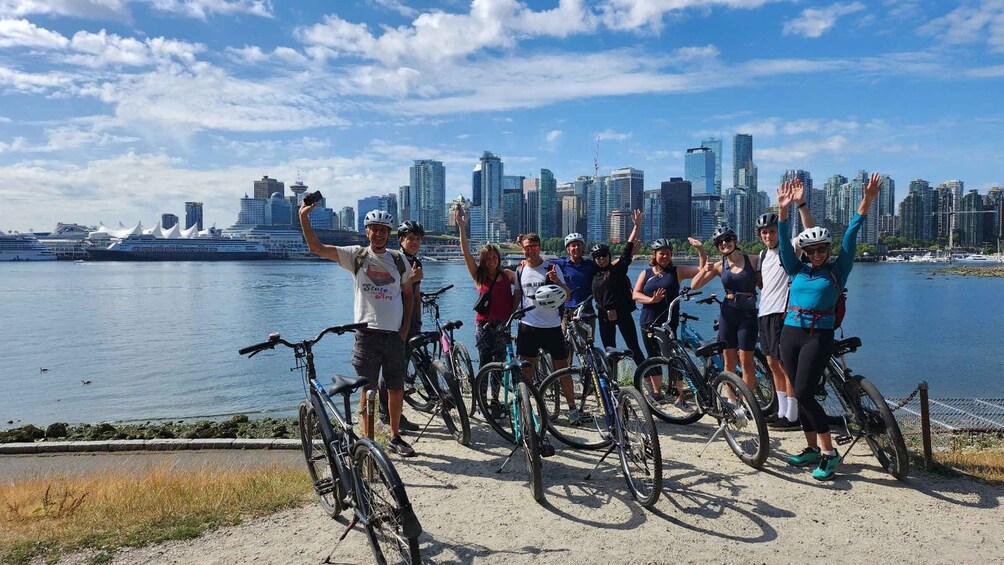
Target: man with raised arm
384,300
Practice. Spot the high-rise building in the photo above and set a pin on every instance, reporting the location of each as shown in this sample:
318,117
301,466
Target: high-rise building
252,212
486,189
917,211
404,203
346,218
513,205
742,158
572,218
427,194
676,194
532,211
715,145
193,214
548,215
704,215
629,183
620,225
168,221
652,223
699,169
806,178
385,202
831,193
969,220
278,211
817,206
597,210
943,208
995,200
266,187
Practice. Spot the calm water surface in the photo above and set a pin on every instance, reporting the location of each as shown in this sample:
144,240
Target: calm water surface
160,340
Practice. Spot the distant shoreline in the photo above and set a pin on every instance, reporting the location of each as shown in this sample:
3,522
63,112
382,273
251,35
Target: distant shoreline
983,271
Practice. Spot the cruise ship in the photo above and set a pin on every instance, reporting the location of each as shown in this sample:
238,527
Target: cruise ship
174,244
23,247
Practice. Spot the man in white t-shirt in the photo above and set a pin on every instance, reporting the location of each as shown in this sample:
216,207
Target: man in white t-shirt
773,282
384,301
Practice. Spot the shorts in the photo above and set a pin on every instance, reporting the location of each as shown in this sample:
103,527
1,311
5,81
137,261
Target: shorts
531,339
770,334
375,351
737,328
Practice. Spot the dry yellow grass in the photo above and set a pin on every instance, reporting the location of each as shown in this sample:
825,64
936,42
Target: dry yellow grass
50,516
985,465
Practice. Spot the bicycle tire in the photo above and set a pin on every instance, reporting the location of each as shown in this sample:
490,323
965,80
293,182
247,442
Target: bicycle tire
666,407
765,391
463,372
489,383
836,403
543,367
742,414
423,398
882,431
640,450
385,507
320,463
531,442
590,432
451,405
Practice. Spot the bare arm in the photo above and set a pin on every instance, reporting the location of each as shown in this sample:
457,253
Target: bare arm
709,272
313,244
472,267
798,197
408,296
639,296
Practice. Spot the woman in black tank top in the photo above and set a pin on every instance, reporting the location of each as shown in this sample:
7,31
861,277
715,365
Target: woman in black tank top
737,323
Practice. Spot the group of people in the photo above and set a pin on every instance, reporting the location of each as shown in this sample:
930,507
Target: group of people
798,282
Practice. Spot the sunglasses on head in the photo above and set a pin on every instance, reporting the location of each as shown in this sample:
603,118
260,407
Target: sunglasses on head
816,249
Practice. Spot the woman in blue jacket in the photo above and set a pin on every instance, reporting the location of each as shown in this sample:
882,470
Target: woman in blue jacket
807,336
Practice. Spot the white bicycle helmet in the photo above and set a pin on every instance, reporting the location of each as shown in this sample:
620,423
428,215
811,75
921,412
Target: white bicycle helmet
574,236
811,236
549,296
378,218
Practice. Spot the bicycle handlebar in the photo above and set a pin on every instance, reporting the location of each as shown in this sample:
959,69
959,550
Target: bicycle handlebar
710,299
430,295
518,314
275,339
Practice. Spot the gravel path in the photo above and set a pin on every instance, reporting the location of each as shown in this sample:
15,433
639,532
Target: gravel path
713,509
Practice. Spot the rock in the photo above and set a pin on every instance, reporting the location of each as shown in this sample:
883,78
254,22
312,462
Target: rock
56,430
239,419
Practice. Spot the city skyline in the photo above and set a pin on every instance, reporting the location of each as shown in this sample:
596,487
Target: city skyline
117,110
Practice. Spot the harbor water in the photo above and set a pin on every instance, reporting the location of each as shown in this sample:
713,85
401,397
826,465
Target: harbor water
160,340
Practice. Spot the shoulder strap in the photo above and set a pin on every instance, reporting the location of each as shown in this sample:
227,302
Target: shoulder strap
763,255
519,284
357,261
833,275
399,261
360,257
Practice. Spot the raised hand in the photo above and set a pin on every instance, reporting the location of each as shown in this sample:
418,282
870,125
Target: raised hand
873,187
695,243
461,220
305,210
417,274
784,195
797,191
637,217
659,295
552,274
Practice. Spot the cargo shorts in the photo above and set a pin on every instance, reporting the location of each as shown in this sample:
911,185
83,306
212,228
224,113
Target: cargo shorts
380,350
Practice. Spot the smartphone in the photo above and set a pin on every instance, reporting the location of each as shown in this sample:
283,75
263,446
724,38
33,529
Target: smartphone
312,197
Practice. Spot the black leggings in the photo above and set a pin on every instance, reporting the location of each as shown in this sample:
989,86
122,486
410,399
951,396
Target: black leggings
805,354
608,334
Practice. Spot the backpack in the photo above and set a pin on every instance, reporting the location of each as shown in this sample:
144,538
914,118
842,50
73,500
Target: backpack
840,309
360,257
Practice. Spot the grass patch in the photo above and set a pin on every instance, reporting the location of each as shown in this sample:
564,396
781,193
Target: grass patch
979,454
987,466
48,517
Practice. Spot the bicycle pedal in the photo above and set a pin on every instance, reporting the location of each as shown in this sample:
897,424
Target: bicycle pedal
546,450
842,439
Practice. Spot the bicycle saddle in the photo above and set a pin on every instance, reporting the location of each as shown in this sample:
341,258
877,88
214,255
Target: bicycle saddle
612,355
845,346
517,365
345,385
422,338
453,325
709,348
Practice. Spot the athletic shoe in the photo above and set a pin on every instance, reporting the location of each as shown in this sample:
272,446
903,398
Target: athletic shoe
771,418
401,447
783,423
407,425
827,468
545,448
577,417
808,456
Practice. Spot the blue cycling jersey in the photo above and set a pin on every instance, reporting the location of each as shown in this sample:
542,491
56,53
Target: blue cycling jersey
578,277
814,289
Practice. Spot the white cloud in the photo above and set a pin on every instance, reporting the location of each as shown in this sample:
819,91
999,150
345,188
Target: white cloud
397,6
611,135
202,9
253,55
553,135
22,33
119,9
649,14
38,83
103,49
970,23
801,150
814,22
4,120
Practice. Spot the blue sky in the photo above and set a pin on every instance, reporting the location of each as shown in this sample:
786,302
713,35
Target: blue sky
120,110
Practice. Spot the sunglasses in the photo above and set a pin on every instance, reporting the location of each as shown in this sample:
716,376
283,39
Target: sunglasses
531,246
729,239
601,256
816,250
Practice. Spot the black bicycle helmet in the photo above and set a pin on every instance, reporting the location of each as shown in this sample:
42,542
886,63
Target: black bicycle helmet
766,221
661,243
410,226
722,232
600,250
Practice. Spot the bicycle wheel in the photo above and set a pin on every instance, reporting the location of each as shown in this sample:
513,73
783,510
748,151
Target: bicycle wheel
531,440
543,367
745,429
423,396
451,406
496,402
641,454
765,391
319,463
836,403
881,430
671,397
463,372
387,518
586,429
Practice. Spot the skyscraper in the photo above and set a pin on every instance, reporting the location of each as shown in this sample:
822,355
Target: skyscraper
404,203
278,211
970,225
427,193
715,145
652,224
831,193
597,211
168,221
266,187
193,214
385,202
532,194
620,225
699,169
630,184
572,218
704,215
513,204
346,218
742,157
252,211
486,188
806,178
548,215
676,194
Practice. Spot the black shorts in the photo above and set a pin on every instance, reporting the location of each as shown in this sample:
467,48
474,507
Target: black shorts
770,334
375,351
737,328
531,339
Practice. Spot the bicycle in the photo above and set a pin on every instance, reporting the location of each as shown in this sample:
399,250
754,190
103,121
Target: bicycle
857,408
512,406
436,391
348,471
708,390
617,418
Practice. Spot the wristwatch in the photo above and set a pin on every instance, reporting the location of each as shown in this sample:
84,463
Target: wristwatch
802,205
